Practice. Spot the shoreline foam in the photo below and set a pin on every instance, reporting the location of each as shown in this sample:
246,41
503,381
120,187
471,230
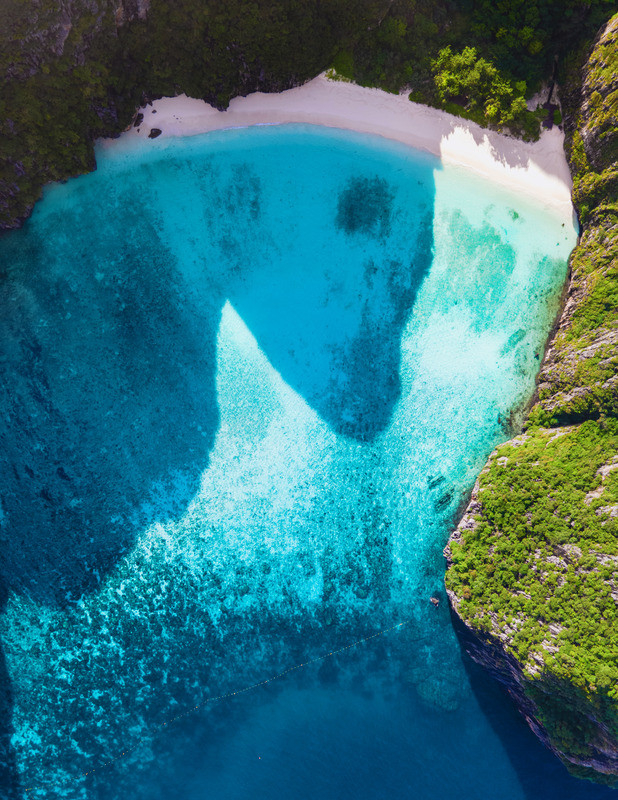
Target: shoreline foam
538,169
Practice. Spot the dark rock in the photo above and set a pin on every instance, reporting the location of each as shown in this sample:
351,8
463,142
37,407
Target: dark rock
154,133
138,120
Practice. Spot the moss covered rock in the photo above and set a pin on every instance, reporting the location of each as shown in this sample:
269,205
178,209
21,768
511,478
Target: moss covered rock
533,565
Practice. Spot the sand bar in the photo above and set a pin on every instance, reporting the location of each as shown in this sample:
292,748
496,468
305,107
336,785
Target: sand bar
538,169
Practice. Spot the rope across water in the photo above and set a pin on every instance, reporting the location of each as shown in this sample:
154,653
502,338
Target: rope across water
228,695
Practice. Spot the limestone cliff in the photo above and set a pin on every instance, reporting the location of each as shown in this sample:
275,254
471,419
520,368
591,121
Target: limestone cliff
533,565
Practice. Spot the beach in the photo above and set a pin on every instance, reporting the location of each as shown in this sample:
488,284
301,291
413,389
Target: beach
538,169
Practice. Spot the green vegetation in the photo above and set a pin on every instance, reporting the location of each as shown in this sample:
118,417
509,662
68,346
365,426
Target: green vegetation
539,571
484,93
579,379
541,560
521,38
498,52
536,567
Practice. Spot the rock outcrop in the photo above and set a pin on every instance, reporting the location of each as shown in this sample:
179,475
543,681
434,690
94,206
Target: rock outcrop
533,565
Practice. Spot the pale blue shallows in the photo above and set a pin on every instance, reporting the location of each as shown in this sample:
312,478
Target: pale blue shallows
247,380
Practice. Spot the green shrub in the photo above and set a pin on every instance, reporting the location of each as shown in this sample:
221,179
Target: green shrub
477,85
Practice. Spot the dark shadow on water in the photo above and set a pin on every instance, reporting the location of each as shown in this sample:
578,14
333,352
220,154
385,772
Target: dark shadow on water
107,367
107,396
107,378
345,361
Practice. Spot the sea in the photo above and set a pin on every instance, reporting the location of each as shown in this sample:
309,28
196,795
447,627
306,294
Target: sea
247,382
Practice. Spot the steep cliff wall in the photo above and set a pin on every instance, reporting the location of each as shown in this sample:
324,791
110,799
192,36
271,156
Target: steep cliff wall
533,565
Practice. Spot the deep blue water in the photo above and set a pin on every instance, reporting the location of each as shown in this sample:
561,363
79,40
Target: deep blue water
247,380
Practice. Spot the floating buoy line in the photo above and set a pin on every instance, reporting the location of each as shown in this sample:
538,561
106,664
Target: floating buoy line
228,695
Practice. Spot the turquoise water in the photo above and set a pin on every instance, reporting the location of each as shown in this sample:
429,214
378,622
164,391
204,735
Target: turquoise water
248,379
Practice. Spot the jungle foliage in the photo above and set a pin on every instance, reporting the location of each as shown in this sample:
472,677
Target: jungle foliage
543,556
516,45
540,570
475,85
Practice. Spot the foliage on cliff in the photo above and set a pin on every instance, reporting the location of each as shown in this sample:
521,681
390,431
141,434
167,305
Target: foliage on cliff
520,37
535,560
579,379
541,561
484,93
514,42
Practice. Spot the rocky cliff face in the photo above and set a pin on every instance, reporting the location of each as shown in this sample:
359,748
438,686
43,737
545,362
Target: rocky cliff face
535,596
578,379
35,34
533,565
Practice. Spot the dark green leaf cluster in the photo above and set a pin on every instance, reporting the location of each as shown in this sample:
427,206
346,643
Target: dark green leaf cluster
523,37
477,85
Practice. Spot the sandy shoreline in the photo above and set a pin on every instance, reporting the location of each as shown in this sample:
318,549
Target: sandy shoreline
537,169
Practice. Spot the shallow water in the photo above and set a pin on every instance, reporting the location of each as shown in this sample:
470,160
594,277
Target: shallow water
248,378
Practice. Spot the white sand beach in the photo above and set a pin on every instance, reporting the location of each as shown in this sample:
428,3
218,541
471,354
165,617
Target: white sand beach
538,169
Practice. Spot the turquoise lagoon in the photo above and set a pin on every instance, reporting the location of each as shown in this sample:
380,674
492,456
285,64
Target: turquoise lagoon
248,379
